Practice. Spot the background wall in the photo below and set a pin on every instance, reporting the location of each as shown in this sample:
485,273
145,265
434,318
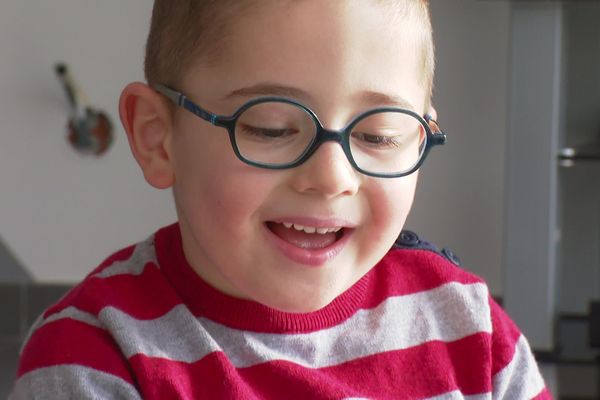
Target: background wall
460,201
580,188
61,213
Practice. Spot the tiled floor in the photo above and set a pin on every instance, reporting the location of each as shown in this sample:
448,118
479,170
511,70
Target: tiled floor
9,353
579,381
20,305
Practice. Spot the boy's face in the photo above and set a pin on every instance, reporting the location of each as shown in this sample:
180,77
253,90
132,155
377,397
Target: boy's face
339,58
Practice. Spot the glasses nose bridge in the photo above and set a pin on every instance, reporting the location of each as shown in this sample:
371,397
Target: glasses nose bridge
328,135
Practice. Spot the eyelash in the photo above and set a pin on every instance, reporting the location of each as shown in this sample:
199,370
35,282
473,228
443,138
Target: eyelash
391,142
267,133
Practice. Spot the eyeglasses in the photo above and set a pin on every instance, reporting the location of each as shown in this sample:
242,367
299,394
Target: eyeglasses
280,133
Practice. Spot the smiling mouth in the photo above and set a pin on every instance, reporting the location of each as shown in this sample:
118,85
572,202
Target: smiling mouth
306,237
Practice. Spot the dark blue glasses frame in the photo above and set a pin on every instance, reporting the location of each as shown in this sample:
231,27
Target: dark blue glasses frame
435,137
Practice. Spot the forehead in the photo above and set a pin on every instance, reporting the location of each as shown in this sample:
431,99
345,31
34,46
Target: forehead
331,49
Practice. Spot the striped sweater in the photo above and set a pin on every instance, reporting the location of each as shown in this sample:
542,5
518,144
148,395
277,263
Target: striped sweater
144,325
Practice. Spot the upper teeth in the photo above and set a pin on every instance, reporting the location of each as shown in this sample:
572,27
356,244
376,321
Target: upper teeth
311,229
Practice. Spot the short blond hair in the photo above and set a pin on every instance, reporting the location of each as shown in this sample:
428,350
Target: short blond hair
182,30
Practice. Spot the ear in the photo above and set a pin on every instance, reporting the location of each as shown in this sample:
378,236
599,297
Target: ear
146,117
433,112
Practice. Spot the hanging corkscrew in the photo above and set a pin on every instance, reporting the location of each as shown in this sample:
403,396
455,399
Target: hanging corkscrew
89,130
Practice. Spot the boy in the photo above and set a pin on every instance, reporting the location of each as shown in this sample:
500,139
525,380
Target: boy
293,167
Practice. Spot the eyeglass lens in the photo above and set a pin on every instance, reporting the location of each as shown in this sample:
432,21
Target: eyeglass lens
278,133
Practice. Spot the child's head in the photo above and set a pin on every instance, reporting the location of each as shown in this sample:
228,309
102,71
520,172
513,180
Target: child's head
195,29
250,231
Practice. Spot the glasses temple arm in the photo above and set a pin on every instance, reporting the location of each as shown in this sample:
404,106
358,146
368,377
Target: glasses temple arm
173,95
182,101
439,137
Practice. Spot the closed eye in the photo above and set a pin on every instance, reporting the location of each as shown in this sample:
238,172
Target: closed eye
378,141
267,133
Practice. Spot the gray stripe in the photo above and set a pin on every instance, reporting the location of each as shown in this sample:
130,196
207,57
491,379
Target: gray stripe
36,324
448,313
520,379
72,312
176,335
72,382
143,253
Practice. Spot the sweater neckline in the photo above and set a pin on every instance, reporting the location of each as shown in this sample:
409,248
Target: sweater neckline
205,301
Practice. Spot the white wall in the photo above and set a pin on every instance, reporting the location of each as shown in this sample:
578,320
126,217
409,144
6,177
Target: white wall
61,213
460,201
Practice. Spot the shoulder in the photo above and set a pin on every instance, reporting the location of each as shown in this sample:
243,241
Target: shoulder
126,282
458,305
415,271
409,240
131,280
114,283
465,298
420,260
76,340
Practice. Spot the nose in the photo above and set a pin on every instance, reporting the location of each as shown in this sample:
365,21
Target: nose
327,172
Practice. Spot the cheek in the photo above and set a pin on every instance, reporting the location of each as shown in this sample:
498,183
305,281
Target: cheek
203,183
389,202
218,194
392,201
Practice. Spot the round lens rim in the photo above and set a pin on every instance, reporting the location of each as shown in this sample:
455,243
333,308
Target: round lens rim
293,114
423,154
232,121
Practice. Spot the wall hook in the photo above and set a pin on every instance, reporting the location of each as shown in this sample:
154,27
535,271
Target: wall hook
89,130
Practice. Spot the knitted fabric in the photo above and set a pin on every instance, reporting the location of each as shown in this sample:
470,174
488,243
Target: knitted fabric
144,325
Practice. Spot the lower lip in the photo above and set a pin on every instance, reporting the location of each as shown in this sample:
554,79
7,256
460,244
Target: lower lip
309,257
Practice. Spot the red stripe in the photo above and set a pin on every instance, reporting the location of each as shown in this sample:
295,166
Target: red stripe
505,336
427,370
145,296
544,395
404,272
68,341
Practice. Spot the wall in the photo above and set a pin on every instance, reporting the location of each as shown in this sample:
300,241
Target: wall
459,203
531,191
61,213
580,188
582,59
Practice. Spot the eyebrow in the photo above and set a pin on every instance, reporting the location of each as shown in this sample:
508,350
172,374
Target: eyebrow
377,98
368,97
269,89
